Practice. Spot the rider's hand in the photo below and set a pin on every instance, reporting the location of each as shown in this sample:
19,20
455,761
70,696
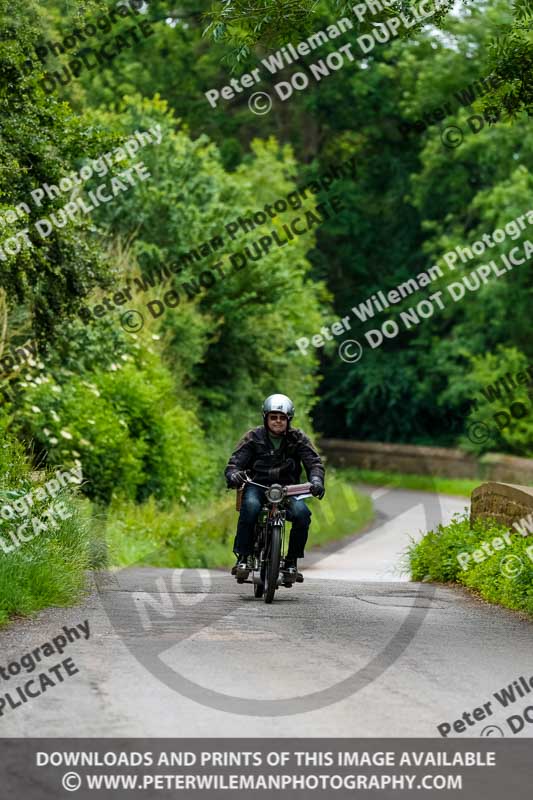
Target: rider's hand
236,479
317,488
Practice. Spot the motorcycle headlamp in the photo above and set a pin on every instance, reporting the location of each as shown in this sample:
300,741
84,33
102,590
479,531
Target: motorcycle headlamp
274,493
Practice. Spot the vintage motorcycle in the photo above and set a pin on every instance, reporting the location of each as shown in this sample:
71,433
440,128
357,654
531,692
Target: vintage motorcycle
269,539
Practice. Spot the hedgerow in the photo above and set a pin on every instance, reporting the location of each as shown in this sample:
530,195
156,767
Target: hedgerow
434,558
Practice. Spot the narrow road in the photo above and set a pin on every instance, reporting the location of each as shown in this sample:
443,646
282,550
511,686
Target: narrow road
357,650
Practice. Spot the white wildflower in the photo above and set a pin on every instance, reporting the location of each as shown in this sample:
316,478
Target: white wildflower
36,409
65,434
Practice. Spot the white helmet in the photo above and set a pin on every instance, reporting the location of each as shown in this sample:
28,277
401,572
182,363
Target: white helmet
278,402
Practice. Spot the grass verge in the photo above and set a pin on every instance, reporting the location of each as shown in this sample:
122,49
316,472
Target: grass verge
50,568
504,577
142,534
424,483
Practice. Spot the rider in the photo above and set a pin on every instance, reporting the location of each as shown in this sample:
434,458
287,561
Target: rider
273,453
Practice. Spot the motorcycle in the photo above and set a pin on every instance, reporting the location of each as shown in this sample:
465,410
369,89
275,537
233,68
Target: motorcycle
269,538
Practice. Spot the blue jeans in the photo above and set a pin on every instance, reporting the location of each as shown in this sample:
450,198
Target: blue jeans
252,502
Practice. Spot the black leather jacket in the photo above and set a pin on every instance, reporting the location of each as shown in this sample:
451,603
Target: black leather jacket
256,453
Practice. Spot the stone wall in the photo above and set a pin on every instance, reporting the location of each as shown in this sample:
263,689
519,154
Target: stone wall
509,469
441,462
504,502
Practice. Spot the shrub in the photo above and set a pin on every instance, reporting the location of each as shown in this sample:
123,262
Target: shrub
516,435
49,569
435,558
125,423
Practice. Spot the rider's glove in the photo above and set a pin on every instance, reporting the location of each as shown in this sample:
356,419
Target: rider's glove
317,488
236,480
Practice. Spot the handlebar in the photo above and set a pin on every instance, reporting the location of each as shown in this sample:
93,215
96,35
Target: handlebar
299,490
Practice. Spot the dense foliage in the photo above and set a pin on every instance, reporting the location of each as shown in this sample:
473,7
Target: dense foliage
504,576
152,413
50,568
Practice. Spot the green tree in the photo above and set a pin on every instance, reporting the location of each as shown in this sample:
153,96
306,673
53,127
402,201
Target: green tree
42,140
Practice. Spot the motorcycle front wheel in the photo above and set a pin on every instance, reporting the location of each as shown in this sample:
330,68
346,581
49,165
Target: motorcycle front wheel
272,563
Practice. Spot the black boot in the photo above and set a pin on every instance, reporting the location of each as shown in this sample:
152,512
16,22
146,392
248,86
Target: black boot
290,571
243,567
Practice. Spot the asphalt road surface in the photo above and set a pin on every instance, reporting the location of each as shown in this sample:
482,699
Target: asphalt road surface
355,651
